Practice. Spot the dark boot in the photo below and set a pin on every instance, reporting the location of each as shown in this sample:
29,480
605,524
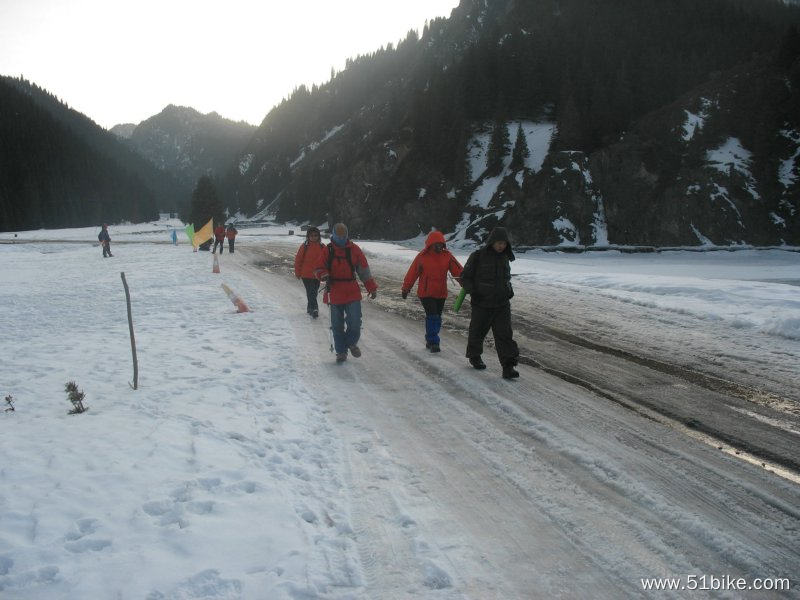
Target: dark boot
509,372
435,348
477,362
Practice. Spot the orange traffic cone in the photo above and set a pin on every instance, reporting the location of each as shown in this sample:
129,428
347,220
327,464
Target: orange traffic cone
215,269
237,302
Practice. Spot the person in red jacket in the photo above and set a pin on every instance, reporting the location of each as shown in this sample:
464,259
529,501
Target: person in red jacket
307,258
219,238
338,267
231,235
431,267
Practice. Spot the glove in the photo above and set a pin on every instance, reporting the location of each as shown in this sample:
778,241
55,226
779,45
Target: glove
404,294
373,295
324,278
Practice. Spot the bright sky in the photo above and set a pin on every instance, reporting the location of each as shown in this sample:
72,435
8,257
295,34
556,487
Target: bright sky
122,61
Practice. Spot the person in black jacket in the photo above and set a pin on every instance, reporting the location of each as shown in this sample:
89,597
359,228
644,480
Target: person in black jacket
487,279
105,241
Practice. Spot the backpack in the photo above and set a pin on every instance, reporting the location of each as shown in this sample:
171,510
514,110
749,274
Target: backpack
349,262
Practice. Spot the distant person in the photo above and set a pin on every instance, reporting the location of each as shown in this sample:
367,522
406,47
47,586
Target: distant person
105,241
174,237
308,256
487,278
231,235
338,266
431,267
219,238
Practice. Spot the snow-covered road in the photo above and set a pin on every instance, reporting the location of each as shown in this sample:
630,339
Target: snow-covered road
249,465
538,487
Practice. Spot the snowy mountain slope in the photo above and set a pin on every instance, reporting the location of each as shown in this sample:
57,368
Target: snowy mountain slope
603,74
400,474
188,144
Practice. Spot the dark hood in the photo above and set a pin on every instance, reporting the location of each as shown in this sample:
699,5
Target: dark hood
499,234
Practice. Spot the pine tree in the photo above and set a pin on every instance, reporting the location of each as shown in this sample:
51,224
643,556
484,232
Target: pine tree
499,145
569,133
521,151
789,49
206,203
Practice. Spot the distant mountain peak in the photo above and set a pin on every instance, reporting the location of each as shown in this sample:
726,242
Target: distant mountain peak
123,130
188,143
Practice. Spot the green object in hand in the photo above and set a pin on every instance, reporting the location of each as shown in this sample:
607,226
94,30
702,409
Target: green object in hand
459,300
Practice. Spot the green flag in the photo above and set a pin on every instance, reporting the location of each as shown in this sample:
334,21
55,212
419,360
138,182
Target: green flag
190,232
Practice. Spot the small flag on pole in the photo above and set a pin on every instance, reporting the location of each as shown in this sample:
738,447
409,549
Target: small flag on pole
205,233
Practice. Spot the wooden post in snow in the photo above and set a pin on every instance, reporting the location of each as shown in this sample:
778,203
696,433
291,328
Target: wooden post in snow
130,327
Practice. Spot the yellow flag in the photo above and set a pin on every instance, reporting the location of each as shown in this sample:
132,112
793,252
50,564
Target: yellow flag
205,233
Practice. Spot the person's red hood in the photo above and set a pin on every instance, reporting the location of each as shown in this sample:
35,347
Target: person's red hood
434,237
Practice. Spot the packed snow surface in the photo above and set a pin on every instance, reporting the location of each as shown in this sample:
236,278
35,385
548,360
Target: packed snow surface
248,465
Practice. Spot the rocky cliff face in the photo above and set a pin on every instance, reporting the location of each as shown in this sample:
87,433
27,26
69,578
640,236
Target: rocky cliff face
720,166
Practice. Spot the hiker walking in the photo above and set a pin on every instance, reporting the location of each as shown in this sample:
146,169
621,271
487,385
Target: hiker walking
219,238
306,260
431,267
487,278
105,241
338,266
231,235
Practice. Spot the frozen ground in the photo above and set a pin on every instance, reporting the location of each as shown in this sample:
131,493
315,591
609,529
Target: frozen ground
248,465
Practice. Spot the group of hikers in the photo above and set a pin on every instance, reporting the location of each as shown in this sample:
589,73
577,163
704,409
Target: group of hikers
486,277
220,233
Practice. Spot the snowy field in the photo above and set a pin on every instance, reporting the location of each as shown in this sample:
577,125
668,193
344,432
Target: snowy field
746,289
196,485
224,476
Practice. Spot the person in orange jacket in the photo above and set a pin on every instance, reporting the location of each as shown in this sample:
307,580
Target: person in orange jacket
431,266
219,238
308,255
338,267
231,235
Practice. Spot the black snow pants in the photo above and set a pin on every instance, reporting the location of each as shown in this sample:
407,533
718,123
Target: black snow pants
432,306
312,287
499,321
